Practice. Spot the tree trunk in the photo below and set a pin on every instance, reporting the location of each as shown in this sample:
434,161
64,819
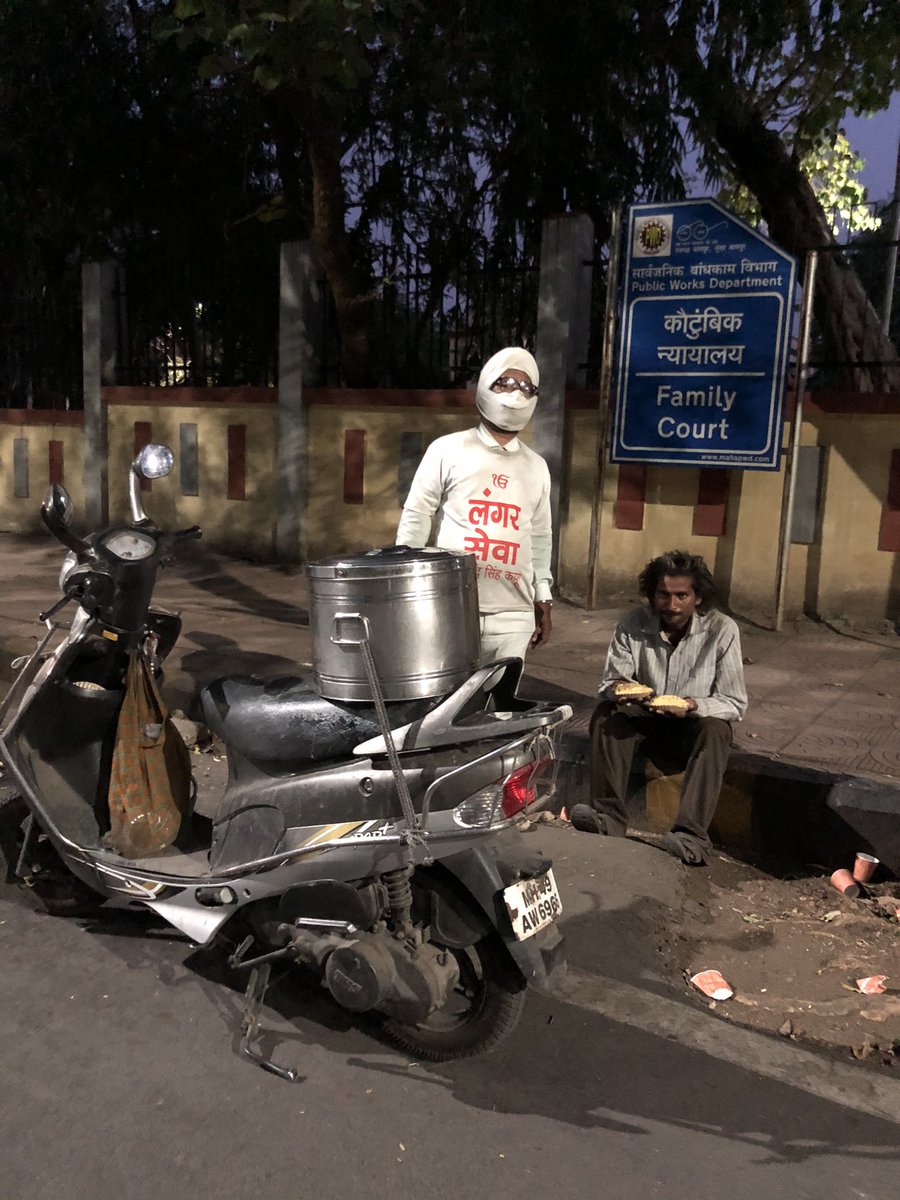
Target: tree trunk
329,234
850,328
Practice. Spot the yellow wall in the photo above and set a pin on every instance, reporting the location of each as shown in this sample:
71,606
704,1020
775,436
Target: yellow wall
852,570
242,526
22,514
334,527
844,574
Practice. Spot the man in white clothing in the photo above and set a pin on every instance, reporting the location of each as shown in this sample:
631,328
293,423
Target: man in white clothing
488,494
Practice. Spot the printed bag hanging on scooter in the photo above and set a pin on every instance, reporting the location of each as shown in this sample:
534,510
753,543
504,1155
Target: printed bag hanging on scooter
150,780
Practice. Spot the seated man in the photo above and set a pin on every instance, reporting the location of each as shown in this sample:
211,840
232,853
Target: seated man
688,657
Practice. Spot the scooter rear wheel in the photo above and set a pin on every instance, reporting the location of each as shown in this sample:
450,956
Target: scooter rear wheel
483,1009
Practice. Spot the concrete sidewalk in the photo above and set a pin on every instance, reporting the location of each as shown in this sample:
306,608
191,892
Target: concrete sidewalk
816,768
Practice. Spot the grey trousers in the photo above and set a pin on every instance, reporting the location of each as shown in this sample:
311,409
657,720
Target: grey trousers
699,744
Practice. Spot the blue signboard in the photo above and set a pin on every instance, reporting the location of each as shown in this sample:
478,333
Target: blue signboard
705,339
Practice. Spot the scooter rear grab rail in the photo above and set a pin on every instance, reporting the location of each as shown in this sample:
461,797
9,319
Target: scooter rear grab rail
414,825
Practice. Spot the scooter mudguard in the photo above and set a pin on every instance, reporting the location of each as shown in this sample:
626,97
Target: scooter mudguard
485,871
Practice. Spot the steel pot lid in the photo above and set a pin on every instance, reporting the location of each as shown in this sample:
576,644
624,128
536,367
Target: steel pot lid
390,560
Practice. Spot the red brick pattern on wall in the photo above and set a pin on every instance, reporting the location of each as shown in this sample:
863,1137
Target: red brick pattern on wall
630,495
354,466
889,533
56,466
237,462
711,509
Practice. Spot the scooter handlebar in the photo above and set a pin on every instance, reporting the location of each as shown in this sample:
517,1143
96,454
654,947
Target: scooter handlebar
169,541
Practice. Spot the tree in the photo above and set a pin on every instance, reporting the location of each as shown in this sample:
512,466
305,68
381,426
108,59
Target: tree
760,85
832,167
450,131
454,130
106,135
315,60
110,146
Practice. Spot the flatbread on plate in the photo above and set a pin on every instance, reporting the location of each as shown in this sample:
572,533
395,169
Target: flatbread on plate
669,703
631,690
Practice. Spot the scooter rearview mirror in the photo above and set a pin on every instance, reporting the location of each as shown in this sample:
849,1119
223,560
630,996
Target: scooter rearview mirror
58,506
56,513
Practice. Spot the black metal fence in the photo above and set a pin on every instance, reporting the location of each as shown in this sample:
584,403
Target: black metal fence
431,330
204,321
198,319
40,346
207,316
856,321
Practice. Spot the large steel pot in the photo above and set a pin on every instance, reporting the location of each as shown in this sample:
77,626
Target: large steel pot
421,616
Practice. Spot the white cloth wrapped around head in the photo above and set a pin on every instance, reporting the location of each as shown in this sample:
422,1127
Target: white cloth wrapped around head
510,411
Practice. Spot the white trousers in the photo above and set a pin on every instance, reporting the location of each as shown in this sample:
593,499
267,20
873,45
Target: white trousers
506,634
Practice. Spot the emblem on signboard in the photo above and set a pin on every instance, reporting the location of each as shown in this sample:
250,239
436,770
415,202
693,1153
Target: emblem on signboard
652,236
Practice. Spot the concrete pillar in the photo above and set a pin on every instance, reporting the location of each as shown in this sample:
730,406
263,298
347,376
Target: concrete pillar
99,339
563,327
294,360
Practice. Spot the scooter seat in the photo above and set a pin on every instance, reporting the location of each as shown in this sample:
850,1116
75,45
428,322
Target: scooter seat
287,720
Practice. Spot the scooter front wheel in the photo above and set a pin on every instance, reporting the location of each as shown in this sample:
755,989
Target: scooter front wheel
13,811
481,1011
58,891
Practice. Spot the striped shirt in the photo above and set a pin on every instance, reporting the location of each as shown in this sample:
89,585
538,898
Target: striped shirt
706,665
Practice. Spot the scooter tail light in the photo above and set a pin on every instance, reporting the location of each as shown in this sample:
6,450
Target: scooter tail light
481,810
503,799
519,788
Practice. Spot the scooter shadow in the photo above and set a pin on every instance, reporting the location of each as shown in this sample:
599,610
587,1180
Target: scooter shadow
215,657
295,997
208,572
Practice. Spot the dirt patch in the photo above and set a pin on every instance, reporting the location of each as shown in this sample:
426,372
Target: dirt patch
792,948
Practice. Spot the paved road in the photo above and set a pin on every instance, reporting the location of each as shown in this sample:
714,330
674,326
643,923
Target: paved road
122,1081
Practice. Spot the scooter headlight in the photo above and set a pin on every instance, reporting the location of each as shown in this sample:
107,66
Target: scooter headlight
154,461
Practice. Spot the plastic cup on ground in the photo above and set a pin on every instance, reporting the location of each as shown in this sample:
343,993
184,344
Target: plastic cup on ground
712,984
845,883
872,985
864,867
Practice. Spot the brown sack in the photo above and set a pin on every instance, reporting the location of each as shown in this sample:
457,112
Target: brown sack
150,780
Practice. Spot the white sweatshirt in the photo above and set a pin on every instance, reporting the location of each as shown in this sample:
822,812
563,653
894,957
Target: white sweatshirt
492,501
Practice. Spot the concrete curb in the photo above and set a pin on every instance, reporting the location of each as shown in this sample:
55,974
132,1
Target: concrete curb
781,810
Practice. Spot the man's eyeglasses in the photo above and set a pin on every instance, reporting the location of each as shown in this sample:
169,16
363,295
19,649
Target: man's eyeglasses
506,383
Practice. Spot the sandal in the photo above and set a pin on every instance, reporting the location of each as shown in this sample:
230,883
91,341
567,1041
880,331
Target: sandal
686,847
586,820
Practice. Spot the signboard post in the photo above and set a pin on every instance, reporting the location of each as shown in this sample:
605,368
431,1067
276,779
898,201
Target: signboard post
704,340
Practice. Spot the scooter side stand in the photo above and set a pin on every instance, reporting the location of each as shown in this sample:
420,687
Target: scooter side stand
250,1026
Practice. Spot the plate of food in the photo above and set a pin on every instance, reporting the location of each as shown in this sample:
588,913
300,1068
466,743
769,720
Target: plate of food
630,689
669,704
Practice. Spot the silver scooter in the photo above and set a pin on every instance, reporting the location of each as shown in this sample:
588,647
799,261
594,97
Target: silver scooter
372,842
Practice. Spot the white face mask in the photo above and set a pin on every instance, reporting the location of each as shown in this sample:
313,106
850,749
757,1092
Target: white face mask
509,411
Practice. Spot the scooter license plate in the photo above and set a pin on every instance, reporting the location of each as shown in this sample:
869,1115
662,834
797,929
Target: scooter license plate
532,904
